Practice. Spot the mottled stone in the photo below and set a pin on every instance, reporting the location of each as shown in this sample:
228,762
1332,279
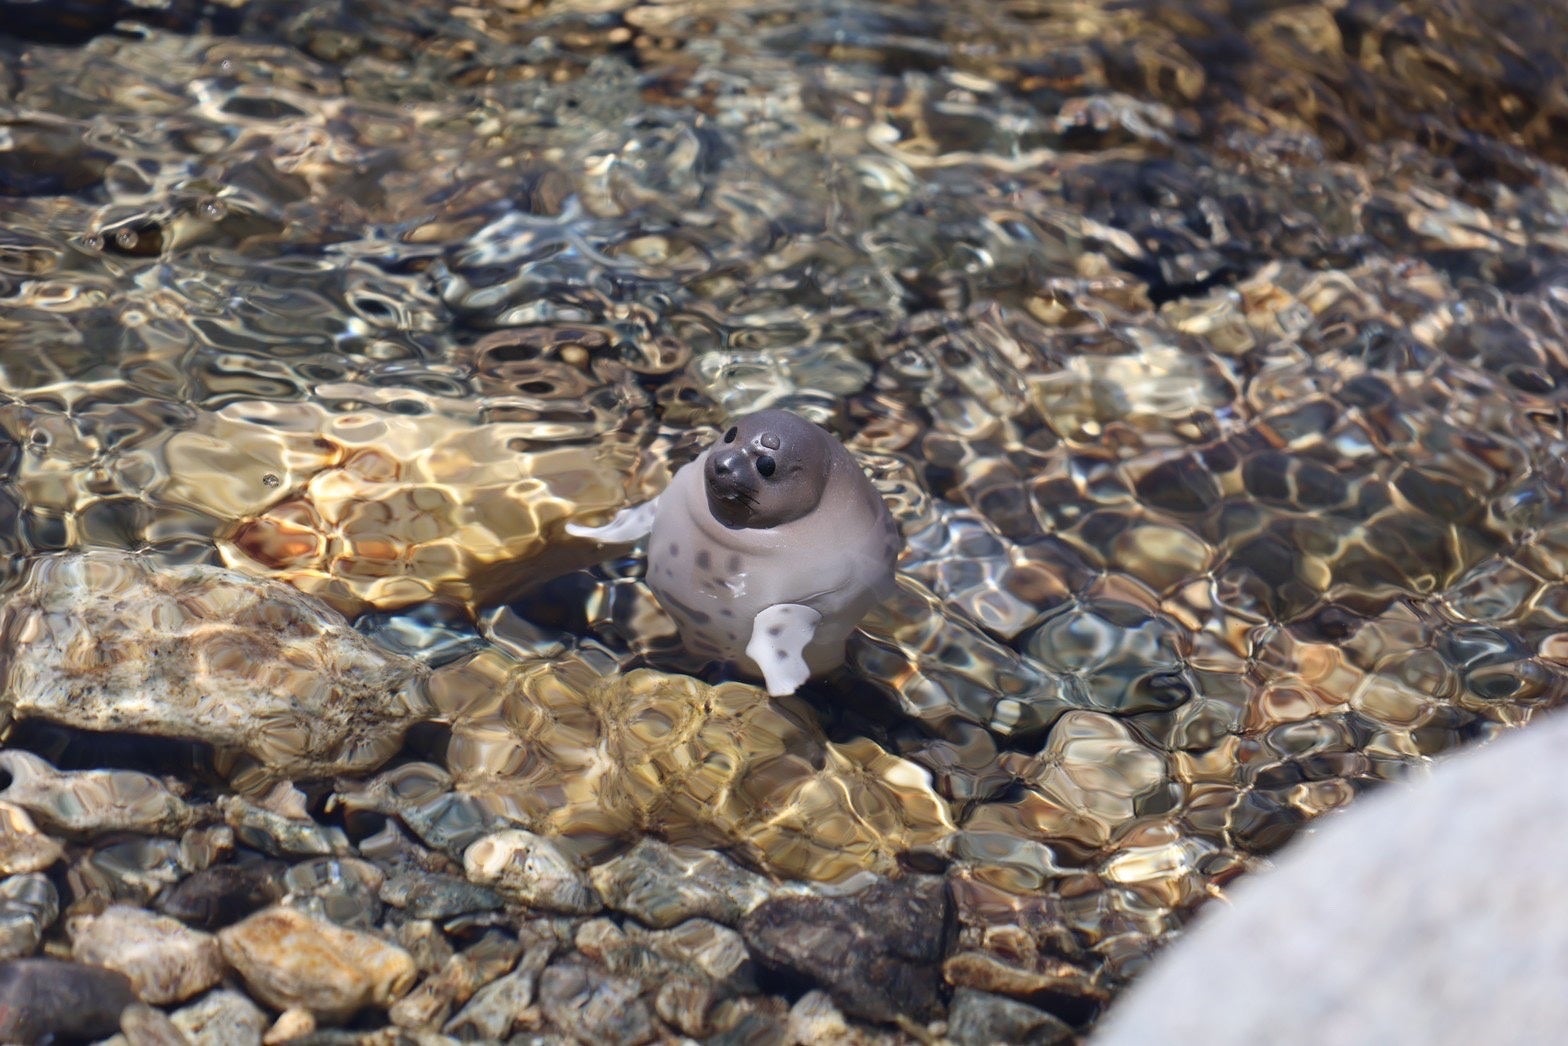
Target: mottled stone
589,1003
289,959
815,1021
23,848
296,1022
533,870
496,1008
684,1004
86,802
432,1001
976,1018
281,834
426,895
568,752
1430,913
40,997
876,952
165,960
129,869
378,509
108,641
697,949
221,1018
143,1025
343,890
660,885
29,905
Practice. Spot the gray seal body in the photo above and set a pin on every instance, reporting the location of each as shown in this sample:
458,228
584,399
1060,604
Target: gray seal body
768,549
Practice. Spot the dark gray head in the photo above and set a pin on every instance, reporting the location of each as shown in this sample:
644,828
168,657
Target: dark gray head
769,468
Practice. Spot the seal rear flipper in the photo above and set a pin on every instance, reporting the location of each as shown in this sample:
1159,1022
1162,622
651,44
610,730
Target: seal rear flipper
778,637
630,524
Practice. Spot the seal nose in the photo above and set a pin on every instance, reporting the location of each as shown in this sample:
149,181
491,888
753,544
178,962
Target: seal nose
728,463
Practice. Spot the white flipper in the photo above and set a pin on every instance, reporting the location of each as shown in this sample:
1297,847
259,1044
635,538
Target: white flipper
778,637
630,524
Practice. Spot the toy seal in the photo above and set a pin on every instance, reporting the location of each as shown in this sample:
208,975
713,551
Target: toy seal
767,550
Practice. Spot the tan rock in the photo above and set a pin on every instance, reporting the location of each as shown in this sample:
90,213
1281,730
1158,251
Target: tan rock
23,848
373,509
290,960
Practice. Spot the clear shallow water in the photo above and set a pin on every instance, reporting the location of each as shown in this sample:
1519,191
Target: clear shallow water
1213,359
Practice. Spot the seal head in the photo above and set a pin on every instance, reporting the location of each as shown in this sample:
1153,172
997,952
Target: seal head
770,468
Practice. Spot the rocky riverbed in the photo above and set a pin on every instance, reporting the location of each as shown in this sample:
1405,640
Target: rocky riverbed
1211,357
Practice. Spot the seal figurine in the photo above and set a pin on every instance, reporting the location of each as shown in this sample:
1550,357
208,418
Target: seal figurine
767,550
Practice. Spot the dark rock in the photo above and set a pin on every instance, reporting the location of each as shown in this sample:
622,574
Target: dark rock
223,894
876,952
980,1018
47,997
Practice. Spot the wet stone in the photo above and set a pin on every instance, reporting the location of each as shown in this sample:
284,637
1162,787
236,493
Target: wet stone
294,1023
425,895
977,1018
661,885
496,1007
108,641
41,997
289,959
29,905
343,890
814,1019
128,869
23,847
165,960
697,949
886,942
434,999
86,802
588,1003
220,1018
223,894
143,1025
279,834
532,870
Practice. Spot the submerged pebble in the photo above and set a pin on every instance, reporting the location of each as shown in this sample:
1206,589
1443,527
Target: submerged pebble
595,1005
222,894
166,961
107,641
42,997
85,802
532,870
221,1017
661,885
887,941
23,847
291,960
29,905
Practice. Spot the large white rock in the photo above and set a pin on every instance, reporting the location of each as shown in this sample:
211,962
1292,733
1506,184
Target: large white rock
104,640
1426,914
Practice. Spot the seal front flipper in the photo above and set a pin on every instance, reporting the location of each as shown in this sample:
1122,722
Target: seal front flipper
629,524
778,637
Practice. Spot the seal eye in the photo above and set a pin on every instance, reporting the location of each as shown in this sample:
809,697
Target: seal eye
729,437
766,465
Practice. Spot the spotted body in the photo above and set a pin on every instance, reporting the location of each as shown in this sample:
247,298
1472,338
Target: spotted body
768,549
